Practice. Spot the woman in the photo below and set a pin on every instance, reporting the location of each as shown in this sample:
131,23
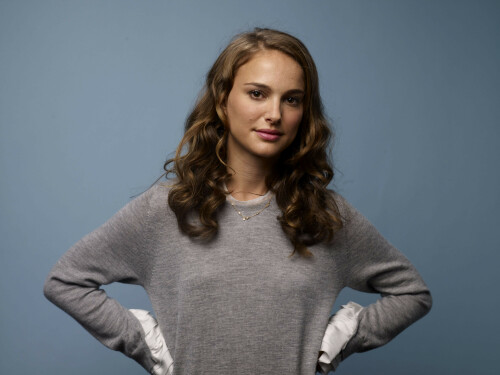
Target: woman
245,251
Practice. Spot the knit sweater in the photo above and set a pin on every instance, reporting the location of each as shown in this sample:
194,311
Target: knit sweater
238,304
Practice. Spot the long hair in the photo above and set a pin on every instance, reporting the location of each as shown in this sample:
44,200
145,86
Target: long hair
301,174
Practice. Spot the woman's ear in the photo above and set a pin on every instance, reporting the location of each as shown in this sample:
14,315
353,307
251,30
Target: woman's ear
223,106
221,112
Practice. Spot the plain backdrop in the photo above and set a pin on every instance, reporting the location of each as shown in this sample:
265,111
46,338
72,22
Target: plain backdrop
93,96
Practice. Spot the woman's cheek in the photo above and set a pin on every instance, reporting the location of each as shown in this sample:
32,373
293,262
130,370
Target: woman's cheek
294,119
252,115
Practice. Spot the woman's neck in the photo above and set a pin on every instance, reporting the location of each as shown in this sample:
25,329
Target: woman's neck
248,180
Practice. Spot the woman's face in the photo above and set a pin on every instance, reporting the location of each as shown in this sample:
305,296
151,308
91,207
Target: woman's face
264,107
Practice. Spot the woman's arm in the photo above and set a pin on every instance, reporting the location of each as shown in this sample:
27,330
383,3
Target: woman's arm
373,265
117,251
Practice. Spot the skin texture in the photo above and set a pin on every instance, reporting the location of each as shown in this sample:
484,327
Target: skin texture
267,94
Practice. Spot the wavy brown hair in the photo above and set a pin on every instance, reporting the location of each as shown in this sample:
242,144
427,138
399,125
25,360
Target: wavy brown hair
301,174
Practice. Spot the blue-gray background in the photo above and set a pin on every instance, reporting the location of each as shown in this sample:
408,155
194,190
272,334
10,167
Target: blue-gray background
93,95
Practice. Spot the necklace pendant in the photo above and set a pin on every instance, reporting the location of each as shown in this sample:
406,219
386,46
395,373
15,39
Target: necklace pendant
246,218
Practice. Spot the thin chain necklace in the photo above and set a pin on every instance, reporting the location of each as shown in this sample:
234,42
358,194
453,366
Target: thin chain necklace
245,218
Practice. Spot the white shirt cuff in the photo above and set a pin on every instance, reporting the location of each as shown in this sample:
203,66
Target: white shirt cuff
156,343
341,328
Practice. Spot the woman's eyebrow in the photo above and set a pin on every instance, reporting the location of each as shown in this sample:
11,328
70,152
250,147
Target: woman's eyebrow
259,85
295,92
266,87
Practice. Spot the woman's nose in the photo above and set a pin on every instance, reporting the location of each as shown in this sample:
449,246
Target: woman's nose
273,114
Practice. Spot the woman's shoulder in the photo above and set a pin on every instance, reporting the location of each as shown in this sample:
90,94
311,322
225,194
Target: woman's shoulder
155,198
355,224
345,209
160,188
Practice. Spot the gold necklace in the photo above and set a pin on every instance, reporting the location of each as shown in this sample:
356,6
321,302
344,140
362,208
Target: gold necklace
245,218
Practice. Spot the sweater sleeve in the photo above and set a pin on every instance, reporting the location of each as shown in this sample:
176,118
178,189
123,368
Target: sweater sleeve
373,265
117,251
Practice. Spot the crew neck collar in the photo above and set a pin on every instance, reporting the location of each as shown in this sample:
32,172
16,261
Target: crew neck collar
251,202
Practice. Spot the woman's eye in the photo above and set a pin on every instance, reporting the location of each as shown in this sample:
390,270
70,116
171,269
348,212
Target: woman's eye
292,100
256,94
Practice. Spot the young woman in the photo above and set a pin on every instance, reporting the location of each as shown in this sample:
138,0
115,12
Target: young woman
244,253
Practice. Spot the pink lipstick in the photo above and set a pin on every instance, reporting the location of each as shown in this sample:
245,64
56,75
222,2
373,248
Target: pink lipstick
269,134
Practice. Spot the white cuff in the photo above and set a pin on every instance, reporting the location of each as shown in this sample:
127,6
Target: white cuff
341,328
156,343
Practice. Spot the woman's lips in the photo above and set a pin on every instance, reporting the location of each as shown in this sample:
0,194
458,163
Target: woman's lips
269,134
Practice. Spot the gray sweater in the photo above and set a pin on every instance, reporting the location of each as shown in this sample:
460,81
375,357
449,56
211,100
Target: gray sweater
238,304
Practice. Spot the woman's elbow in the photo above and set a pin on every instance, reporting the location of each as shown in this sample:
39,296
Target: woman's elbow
425,301
53,289
50,289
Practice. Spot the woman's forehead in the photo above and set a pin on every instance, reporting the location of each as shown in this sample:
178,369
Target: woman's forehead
271,68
